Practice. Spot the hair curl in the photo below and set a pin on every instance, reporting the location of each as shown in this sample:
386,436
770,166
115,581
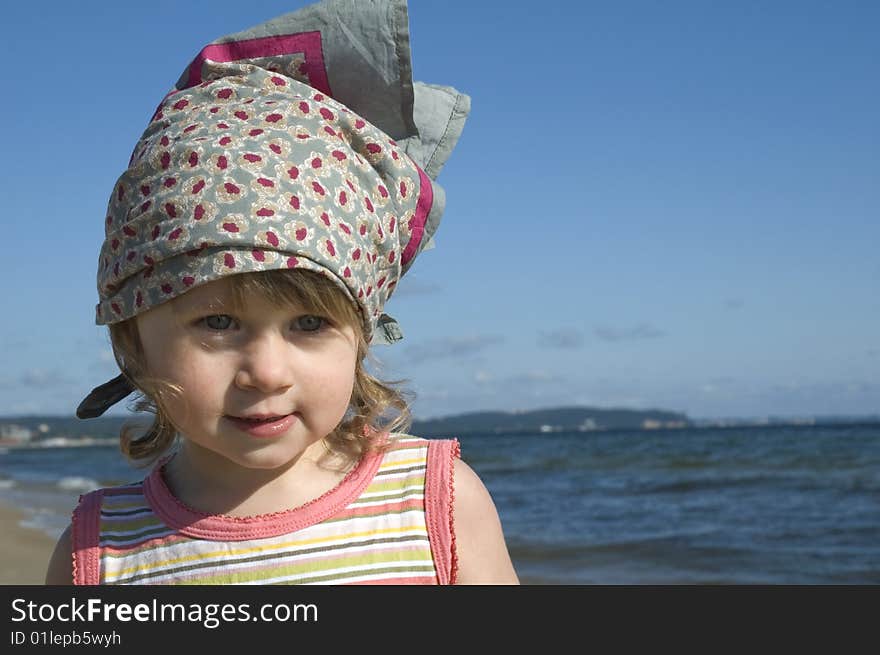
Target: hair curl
375,407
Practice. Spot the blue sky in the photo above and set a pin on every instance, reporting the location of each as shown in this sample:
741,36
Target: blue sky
653,205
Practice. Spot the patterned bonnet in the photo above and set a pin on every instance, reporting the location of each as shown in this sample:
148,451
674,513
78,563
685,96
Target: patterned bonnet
300,143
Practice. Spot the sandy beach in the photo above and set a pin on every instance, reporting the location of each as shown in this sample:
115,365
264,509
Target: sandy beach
25,552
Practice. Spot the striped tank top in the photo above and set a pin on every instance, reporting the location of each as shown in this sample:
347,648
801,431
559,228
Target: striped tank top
388,522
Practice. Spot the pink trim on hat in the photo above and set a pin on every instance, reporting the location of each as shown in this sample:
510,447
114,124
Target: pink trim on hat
308,43
419,219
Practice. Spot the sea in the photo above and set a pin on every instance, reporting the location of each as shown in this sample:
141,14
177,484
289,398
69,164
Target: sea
779,505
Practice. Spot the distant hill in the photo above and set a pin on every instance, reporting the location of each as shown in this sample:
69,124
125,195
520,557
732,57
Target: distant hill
558,419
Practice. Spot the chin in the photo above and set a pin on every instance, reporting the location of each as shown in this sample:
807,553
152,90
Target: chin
254,453
265,461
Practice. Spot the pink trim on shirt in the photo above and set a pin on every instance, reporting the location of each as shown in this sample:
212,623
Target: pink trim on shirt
439,502
395,581
308,43
193,523
85,533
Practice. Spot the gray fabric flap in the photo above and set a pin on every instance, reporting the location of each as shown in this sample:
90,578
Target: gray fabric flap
366,56
387,332
440,113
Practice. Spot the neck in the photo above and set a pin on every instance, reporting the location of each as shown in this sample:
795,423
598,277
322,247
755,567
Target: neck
212,484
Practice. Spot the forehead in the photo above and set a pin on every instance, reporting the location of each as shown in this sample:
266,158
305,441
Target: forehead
217,294
250,291
226,295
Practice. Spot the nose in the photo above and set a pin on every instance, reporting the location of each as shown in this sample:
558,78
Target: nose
265,364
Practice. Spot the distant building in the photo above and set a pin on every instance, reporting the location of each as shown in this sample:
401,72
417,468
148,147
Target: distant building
654,424
15,434
588,425
675,425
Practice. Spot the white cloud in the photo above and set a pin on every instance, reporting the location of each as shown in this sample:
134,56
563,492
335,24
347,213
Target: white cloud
636,333
41,378
451,347
482,377
564,338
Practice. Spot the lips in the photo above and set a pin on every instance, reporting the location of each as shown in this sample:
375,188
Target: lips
263,426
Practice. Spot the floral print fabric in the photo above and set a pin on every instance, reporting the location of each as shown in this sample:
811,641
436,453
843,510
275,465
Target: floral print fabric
251,165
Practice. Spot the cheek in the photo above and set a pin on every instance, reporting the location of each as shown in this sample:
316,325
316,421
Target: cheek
186,390
155,342
337,381
167,362
176,369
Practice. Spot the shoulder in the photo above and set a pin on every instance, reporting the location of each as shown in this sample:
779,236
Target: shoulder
480,546
60,569
401,446
403,441
476,534
91,504
83,531
436,455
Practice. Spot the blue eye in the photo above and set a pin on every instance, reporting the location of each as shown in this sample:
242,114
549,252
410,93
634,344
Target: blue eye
218,322
310,323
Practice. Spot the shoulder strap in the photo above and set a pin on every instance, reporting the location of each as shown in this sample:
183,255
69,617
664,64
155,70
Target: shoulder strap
85,536
439,503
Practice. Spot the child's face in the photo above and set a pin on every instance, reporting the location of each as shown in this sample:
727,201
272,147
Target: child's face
236,365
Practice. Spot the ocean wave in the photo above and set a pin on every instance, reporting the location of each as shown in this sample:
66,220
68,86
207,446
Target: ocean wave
76,483
7,484
49,523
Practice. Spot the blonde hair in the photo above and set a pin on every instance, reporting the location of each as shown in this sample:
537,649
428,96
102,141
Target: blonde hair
375,406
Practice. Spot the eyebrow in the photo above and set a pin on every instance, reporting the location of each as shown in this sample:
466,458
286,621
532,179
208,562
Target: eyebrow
199,306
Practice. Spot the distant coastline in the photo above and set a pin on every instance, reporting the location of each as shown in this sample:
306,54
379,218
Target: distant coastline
589,419
558,419
55,431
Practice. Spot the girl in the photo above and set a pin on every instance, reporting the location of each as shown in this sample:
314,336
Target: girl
250,248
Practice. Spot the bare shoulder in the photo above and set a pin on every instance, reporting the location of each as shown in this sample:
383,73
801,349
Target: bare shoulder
482,552
60,570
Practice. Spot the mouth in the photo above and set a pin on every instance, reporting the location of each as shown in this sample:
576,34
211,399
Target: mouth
263,425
